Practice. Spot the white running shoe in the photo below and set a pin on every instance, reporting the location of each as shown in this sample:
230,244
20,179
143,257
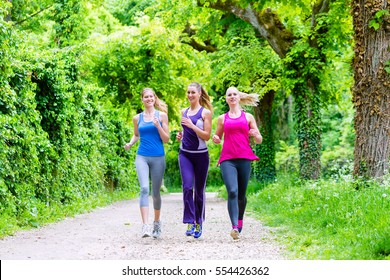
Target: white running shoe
145,231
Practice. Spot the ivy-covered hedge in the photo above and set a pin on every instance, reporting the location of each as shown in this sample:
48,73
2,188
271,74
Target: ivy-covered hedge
59,143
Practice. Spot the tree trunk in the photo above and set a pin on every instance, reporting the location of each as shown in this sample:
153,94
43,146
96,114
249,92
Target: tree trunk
264,169
371,92
308,122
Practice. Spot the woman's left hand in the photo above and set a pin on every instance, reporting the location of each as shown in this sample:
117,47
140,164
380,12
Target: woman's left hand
156,122
216,139
255,133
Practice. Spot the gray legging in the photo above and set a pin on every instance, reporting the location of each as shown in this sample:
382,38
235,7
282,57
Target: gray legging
153,167
235,174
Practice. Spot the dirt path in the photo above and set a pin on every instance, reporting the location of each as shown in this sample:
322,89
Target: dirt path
113,233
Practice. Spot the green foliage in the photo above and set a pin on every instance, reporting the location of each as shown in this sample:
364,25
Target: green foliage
58,147
308,71
214,177
338,139
123,64
327,219
233,64
68,17
387,66
307,76
378,19
127,11
172,179
287,158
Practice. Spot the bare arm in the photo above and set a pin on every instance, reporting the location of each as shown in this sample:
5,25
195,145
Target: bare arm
163,128
217,138
135,136
254,130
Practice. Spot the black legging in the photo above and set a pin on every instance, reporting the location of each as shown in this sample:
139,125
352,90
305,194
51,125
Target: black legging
235,174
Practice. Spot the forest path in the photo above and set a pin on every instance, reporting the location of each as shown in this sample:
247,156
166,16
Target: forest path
113,233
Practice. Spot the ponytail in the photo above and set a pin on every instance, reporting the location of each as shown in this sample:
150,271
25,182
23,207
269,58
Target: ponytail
247,99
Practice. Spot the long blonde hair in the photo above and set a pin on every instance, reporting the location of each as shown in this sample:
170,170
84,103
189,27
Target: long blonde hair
204,97
159,104
246,99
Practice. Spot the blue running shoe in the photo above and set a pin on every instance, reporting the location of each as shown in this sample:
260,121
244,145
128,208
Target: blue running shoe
198,231
190,229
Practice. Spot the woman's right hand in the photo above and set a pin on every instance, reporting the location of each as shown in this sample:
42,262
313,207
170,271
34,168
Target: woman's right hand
216,139
127,146
179,136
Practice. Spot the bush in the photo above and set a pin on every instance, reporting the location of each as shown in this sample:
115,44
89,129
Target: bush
337,162
287,158
59,144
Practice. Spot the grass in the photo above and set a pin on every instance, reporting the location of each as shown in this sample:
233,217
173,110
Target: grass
326,219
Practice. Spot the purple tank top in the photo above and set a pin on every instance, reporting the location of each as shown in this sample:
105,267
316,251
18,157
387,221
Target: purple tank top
191,142
236,143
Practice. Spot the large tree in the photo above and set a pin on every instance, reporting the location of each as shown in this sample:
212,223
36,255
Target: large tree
305,38
371,93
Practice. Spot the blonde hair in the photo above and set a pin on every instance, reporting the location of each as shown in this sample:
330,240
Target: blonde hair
246,99
161,105
204,97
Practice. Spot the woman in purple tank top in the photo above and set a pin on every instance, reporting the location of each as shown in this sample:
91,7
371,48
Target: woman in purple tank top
194,157
237,126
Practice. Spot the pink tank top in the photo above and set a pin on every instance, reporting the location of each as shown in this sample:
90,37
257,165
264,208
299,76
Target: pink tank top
236,144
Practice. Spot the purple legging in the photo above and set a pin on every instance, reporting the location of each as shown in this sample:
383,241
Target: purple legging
193,170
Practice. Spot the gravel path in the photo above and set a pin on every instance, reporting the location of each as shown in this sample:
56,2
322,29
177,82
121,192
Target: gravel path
113,233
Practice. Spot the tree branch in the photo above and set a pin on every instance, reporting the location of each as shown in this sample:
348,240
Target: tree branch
206,46
321,6
266,23
33,15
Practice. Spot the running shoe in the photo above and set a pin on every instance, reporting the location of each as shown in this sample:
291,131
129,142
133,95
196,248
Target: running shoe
145,231
156,229
198,231
235,234
240,225
190,229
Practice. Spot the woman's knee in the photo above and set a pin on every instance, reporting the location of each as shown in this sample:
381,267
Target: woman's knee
144,192
156,196
232,194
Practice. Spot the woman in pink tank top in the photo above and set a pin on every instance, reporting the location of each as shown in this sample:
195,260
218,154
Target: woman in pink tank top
237,126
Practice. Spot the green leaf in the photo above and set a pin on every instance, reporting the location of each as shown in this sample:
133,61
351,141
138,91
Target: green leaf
387,69
374,24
